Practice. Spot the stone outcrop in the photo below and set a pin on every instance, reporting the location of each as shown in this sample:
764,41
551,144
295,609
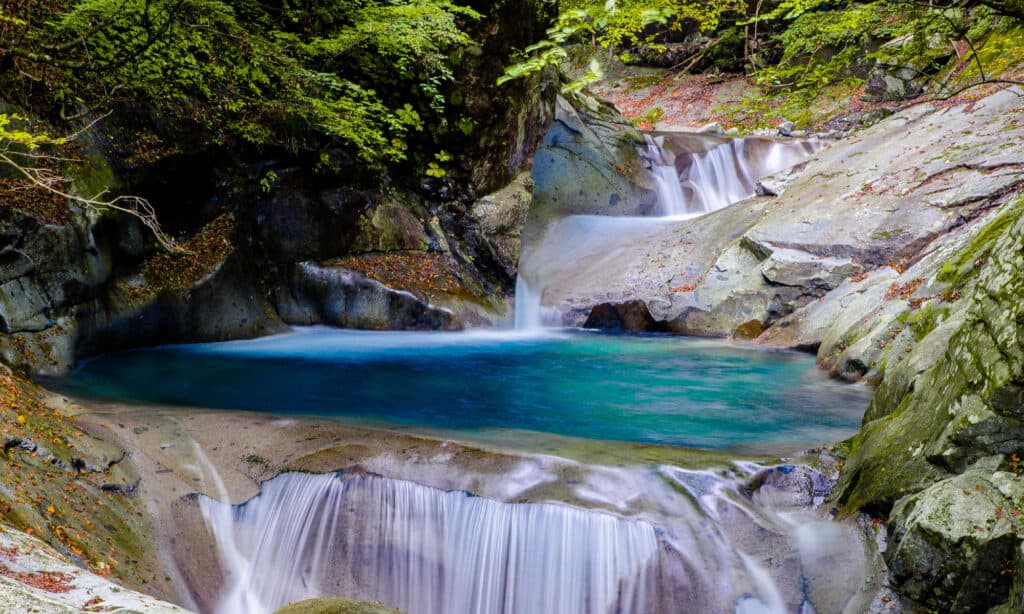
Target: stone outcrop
341,297
855,208
501,216
35,578
80,288
941,443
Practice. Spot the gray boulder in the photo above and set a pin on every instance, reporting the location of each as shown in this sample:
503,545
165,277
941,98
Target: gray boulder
23,306
342,297
955,543
14,263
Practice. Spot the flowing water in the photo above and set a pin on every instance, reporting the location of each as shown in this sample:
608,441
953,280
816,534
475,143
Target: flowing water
428,551
547,534
688,541
716,173
657,389
634,538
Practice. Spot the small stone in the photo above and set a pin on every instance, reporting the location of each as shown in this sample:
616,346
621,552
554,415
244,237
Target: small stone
786,128
712,128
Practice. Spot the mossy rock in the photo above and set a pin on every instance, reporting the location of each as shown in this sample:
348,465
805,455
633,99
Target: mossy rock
336,605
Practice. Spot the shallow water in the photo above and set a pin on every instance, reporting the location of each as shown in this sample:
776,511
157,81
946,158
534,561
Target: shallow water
655,389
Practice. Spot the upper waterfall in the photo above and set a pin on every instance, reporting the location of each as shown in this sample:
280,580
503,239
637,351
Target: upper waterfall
692,174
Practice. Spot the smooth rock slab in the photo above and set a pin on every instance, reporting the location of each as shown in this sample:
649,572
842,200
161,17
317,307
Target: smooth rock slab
74,589
791,267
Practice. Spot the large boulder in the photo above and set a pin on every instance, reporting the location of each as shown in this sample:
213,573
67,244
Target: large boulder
587,164
342,297
501,216
954,544
943,437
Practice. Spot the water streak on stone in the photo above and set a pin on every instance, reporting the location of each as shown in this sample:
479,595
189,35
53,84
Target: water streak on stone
427,551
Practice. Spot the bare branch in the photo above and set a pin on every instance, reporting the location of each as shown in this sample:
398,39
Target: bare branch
134,206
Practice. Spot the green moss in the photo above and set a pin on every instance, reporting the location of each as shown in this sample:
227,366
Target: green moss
924,320
641,82
963,266
885,235
1001,52
92,177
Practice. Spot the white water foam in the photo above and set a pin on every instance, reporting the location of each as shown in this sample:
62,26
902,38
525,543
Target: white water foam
717,173
427,551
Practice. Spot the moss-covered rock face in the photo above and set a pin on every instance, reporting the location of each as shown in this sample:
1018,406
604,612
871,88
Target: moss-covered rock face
71,490
334,605
942,441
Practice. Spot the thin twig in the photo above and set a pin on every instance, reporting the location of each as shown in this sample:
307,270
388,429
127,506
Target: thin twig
135,206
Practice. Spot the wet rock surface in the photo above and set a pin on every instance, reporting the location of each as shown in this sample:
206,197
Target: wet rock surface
856,207
36,578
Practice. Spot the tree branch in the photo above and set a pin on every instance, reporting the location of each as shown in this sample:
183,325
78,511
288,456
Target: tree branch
135,206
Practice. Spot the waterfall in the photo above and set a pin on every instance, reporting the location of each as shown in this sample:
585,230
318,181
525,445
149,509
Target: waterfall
671,201
694,175
719,177
428,551
710,181
528,306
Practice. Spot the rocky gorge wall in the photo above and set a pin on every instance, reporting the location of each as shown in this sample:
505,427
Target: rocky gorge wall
896,255
270,241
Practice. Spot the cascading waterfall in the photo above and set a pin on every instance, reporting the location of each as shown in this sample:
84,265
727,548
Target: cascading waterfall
428,551
709,174
719,178
695,541
671,201
528,307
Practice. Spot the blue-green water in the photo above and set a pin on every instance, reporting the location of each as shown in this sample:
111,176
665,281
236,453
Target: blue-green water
661,390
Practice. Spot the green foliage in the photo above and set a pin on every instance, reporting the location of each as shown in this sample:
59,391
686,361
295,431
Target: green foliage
789,9
304,74
819,48
14,132
614,24
650,118
267,182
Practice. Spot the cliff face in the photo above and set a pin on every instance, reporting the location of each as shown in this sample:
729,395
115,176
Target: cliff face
941,446
272,239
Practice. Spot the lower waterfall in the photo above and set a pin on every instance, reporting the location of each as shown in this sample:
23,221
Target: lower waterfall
427,551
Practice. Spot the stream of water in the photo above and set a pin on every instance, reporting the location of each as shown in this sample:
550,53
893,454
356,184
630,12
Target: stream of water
633,538
719,172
